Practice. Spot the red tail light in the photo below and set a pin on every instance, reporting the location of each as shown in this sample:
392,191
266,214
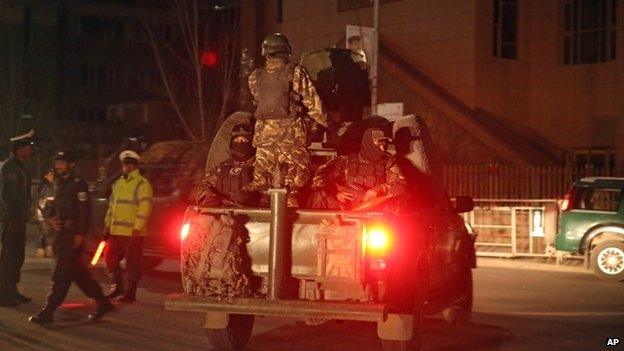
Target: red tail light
186,228
568,201
377,240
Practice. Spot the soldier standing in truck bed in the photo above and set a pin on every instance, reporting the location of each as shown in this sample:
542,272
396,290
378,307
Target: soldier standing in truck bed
283,94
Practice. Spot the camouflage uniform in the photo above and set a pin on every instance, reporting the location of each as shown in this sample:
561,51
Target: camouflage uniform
363,177
356,175
281,134
214,260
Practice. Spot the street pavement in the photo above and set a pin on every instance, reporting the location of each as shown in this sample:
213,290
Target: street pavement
515,309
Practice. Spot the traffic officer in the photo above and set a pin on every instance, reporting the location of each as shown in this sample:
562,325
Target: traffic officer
223,183
283,94
129,209
361,177
69,215
15,205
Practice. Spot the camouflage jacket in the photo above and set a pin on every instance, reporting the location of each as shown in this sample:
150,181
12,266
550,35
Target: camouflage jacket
338,174
301,85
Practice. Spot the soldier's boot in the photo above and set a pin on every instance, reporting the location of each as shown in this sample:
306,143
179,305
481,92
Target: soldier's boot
130,294
43,317
117,288
104,306
40,253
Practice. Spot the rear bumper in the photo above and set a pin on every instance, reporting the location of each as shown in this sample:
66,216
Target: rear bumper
373,312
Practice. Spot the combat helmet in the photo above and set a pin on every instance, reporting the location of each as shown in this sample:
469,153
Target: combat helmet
276,43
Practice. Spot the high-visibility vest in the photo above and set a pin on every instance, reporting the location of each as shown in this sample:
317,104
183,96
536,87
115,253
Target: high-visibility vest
130,205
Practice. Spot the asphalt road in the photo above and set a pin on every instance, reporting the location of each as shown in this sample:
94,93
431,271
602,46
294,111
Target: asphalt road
514,310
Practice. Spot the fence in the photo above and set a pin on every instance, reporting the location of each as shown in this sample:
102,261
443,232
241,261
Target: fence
514,228
512,182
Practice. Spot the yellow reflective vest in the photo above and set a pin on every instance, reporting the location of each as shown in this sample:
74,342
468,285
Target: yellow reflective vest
130,205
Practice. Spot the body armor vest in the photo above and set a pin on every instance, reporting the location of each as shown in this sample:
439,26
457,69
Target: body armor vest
365,174
234,175
274,94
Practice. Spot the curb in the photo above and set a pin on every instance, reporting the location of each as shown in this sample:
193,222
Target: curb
523,264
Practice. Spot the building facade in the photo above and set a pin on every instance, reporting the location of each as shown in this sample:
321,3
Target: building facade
526,82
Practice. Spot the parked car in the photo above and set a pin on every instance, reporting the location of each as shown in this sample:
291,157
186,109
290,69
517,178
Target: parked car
592,224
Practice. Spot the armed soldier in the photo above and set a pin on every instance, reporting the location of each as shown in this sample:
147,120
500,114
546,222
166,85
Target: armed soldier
283,94
348,181
69,216
15,204
228,273
223,183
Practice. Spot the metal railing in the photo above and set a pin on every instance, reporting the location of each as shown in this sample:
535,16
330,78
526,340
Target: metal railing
514,228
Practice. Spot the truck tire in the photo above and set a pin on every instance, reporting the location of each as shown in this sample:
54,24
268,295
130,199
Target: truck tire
415,344
461,311
607,260
235,336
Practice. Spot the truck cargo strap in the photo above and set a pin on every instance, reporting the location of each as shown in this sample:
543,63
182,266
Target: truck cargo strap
357,311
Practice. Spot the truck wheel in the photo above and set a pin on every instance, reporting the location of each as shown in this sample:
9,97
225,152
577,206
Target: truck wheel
461,311
235,336
414,344
607,260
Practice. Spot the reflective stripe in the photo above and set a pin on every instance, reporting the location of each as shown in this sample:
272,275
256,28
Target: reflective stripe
125,202
123,224
141,216
136,192
149,199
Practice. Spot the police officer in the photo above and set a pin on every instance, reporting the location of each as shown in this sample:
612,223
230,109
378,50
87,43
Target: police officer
15,204
69,215
283,94
129,209
223,183
361,177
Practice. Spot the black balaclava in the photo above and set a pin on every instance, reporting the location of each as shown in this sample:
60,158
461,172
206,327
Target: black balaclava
241,151
368,150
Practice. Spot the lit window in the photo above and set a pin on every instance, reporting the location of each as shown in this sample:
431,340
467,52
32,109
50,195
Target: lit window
589,28
505,29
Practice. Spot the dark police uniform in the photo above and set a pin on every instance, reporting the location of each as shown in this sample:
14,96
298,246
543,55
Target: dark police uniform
14,212
72,207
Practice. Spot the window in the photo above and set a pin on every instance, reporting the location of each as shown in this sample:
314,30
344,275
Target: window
95,27
99,76
92,114
599,159
589,31
344,5
505,29
598,199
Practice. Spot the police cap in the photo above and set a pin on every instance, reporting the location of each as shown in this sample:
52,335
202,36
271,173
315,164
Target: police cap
64,155
24,139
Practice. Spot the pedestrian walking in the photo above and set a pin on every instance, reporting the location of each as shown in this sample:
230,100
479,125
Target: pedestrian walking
69,216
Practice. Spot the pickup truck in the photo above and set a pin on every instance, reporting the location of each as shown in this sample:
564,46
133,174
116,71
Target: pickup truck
387,267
